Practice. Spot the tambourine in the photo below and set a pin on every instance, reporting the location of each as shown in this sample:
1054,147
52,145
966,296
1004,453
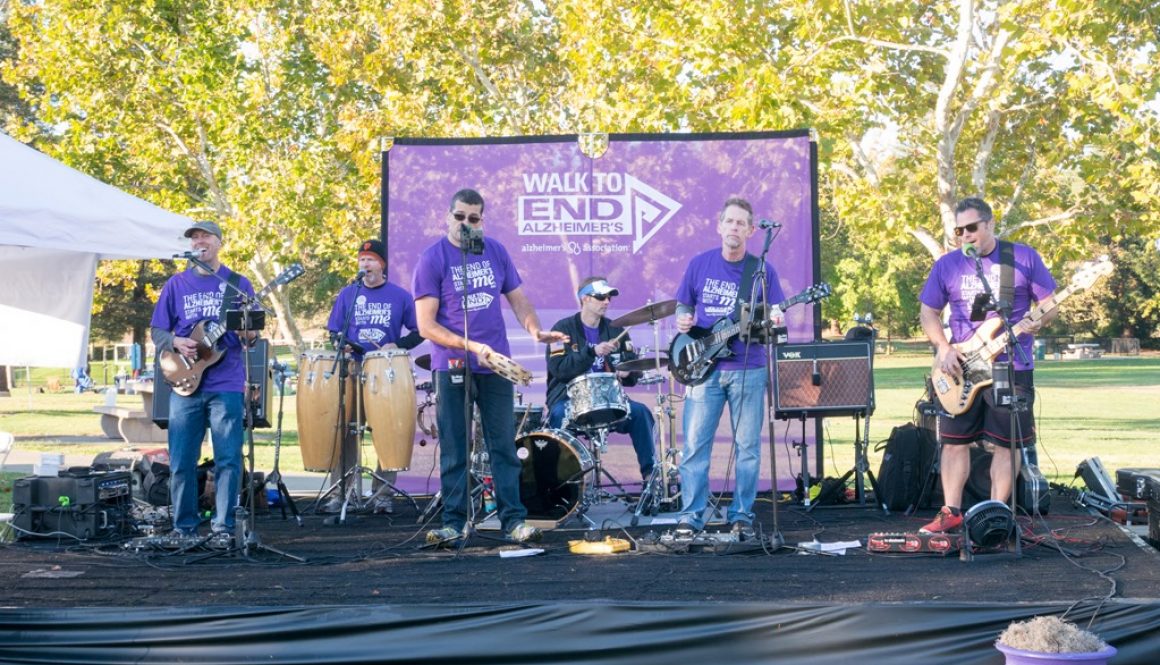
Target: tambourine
507,368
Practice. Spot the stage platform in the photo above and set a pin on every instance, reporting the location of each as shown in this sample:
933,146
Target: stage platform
370,591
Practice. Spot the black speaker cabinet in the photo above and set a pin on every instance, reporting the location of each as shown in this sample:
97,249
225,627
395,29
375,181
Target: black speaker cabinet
1031,485
91,506
824,379
258,357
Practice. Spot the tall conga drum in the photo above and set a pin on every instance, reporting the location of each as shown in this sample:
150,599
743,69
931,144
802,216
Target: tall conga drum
388,388
319,428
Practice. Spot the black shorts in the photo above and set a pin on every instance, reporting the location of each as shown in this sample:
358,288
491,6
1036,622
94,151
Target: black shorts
984,421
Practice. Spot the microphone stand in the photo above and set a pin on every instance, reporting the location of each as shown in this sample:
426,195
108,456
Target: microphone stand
343,427
1003,309
246,538
465,248
776,539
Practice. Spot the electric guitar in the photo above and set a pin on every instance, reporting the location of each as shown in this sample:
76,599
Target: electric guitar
956,394
693,355
184,374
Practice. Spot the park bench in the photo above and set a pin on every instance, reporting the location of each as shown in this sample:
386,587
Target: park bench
134,425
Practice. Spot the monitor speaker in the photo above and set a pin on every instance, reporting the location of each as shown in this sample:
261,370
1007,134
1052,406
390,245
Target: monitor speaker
824,379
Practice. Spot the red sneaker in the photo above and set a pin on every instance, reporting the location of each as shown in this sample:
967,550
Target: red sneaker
944,522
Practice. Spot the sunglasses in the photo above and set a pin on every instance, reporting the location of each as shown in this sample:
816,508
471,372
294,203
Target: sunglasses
969,228
460,216
602,297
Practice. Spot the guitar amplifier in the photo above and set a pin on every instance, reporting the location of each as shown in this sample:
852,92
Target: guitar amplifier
90,506
1133,483
823,378
258,357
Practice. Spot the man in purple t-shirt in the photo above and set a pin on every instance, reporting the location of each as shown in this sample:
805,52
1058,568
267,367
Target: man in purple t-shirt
445,295
710,289
370,314
954,282
188,298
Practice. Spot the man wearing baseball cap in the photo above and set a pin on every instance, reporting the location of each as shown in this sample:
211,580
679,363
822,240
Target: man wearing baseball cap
374,312
191,302
596,346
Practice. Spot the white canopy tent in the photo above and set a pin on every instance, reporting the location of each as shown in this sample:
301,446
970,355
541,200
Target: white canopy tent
55,224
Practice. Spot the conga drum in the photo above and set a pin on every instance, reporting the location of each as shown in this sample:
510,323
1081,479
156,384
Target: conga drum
388,388
319,427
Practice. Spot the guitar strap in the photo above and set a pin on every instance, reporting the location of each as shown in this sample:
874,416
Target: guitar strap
1007,272
745,288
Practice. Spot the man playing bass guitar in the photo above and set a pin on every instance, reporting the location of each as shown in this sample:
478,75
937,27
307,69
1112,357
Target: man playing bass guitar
714,281
954,282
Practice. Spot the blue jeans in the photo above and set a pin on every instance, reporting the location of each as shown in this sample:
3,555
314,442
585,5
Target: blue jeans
639,426
495,397
188,419
744,390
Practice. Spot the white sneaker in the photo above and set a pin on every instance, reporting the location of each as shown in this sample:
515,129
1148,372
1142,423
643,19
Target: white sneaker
383,504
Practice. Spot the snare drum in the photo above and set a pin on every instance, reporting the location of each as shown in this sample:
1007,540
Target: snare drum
554,474
319,426
595,400
528,418
388,389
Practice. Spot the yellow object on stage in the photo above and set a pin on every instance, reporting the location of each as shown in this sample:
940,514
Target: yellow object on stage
609,545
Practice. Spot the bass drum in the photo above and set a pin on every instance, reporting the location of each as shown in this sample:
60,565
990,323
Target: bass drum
388,388
554,474
319,427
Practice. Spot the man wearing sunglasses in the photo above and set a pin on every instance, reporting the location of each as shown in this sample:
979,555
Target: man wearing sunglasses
953,283
446,295
595,348
714,282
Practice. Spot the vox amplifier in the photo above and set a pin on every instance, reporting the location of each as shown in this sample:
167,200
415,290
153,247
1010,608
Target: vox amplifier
823,379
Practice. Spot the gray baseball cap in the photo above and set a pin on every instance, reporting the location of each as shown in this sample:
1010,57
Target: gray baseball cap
208,227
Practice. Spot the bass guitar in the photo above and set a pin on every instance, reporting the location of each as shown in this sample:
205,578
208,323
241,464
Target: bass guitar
185,374
956,394
693,355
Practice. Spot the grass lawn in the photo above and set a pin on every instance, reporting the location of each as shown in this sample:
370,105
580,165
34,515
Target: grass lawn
1108,408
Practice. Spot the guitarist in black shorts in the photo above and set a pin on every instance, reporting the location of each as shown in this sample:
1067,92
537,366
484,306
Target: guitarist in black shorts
193,302
954,283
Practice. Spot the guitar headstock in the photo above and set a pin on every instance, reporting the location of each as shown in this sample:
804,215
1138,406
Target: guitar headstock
1091,272
289,275
811,294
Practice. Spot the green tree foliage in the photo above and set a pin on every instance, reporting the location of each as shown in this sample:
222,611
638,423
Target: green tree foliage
269,116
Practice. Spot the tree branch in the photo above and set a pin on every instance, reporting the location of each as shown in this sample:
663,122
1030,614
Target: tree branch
1063,217
932,245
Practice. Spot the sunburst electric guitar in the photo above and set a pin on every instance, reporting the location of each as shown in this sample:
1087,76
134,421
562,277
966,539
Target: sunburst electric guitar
185,374
956,394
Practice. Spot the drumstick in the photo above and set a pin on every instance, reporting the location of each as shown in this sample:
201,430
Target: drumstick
621,335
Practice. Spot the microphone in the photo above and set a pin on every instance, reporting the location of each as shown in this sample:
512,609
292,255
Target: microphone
358,277
970,251
192,254
767,224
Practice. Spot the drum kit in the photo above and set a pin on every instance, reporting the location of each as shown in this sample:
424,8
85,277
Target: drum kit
561,471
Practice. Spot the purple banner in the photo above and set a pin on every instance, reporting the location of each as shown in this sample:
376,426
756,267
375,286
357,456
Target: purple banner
635,215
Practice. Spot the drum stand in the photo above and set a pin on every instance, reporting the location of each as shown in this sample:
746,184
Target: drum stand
598,443
663,485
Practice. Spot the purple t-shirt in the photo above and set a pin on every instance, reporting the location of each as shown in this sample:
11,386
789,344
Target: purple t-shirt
953,281
189,297
379,315
592,336
490,275
711,285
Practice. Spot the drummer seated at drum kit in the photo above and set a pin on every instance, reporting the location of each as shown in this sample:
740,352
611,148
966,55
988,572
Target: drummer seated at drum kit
584,387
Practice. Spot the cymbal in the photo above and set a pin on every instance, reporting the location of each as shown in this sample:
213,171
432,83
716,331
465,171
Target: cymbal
642,364
651,312
424,361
